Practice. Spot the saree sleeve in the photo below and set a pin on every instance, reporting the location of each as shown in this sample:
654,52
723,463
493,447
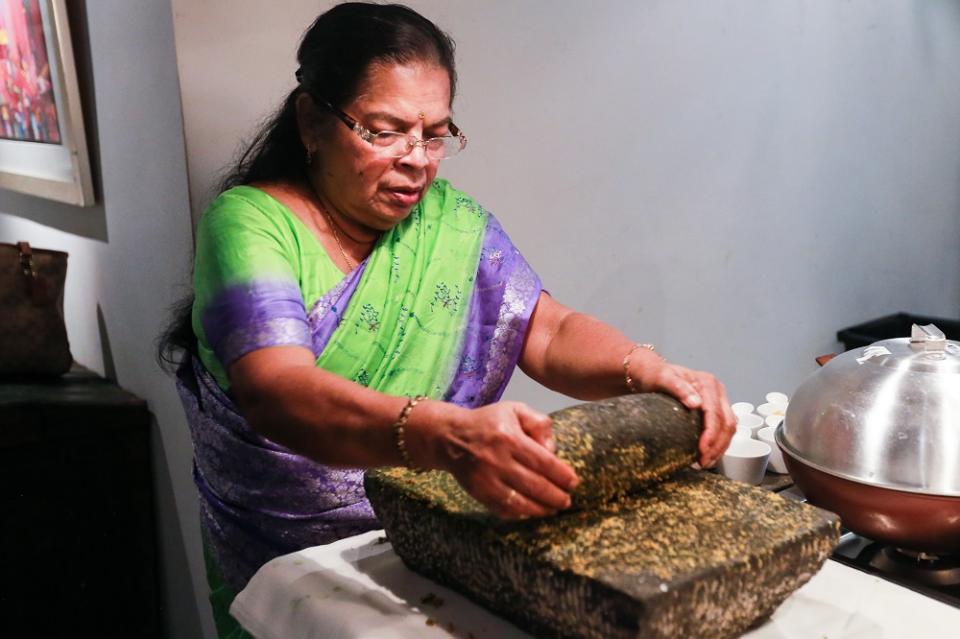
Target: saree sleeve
246,283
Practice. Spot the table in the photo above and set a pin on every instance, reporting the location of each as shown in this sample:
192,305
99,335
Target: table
358,588
77,541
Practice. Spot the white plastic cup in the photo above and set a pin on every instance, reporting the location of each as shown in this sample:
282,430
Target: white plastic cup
772,420
751,421
776,462
780,399
742,408
771,409
744,432
745,460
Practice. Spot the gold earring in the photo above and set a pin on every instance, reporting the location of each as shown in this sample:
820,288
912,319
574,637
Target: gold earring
421,115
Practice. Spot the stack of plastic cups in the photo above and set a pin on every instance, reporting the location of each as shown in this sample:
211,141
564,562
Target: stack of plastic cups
745,461
773,411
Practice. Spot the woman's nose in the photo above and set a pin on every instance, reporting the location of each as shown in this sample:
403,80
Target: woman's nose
416,157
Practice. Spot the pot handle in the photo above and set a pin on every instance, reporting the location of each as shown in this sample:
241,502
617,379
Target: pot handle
823,359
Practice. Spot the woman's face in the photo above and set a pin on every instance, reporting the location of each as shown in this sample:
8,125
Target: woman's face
358,180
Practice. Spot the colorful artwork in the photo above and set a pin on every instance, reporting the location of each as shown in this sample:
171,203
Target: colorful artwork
27,108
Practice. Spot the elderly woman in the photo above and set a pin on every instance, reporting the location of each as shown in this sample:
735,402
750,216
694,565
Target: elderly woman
352,310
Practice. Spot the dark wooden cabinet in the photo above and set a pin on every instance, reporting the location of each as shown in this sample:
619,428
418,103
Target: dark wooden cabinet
78,554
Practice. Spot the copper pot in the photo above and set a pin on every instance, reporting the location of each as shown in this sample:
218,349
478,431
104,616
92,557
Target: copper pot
874,436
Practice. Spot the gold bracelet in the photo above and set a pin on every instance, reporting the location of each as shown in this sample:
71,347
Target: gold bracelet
398,430
626,365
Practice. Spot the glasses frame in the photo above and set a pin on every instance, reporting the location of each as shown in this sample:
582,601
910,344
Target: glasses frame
367,135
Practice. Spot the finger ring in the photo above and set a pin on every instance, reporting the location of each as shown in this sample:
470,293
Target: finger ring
510,497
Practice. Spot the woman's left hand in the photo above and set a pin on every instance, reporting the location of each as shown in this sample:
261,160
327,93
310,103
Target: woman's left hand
703,391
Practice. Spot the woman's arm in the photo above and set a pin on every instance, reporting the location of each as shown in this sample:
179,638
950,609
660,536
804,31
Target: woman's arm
501,454
582,357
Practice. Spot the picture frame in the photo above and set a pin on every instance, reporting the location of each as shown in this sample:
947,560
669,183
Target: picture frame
43,144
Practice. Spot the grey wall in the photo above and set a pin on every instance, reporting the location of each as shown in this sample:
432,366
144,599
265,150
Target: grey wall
126,256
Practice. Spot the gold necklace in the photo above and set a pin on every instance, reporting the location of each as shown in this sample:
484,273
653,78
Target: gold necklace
343,231
335,228
336,236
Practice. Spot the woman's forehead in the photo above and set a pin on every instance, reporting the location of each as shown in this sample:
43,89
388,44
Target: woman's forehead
404,91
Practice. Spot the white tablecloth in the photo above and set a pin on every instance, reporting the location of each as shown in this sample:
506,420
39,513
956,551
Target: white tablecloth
359,588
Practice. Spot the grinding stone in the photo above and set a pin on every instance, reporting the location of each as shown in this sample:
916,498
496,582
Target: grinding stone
691,555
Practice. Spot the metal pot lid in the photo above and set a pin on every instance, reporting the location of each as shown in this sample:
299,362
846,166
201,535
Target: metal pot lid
886,415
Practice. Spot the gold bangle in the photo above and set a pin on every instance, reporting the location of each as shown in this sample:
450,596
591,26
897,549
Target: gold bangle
398,431
626,365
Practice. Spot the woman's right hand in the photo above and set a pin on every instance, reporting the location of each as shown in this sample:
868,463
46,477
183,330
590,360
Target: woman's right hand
502,455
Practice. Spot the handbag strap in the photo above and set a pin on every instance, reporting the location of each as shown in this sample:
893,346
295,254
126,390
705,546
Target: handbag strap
36,285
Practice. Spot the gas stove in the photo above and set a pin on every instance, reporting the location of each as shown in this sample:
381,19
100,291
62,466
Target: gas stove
934,576
930,575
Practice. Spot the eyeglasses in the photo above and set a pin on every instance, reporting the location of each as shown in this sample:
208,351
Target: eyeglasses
396,145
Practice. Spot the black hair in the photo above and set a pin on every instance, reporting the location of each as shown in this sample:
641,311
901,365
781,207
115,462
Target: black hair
334,56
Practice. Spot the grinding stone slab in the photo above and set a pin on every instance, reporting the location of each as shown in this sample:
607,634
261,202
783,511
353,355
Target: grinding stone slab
691,555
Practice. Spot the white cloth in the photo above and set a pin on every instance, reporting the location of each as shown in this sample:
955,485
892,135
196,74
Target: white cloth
358,587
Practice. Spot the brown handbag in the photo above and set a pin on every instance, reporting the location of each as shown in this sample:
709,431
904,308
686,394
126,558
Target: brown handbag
33,336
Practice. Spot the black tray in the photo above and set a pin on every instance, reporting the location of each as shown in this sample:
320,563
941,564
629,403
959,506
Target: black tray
897,325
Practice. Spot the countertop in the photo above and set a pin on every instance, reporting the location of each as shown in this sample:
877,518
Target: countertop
358,587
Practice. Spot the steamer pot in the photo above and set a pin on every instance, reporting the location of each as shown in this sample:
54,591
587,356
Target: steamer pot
874,436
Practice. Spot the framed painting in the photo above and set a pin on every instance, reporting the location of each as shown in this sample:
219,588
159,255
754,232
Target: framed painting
43,146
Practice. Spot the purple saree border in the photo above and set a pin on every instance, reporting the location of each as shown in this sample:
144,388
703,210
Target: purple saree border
244,317
503,299
327,312
243,477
